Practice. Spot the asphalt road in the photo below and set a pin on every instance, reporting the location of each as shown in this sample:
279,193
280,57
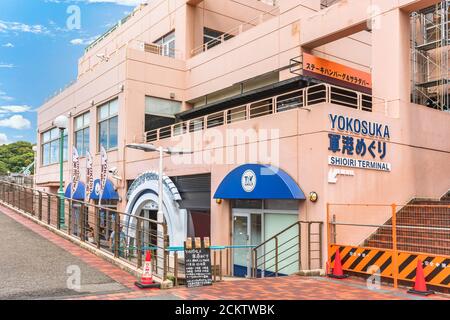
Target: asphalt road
31,267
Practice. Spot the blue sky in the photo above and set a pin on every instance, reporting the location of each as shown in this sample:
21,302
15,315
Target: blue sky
39,54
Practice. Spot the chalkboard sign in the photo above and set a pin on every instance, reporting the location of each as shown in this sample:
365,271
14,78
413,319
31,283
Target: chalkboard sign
197,263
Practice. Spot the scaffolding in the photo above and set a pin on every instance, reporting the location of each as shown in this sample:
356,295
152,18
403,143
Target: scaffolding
430,54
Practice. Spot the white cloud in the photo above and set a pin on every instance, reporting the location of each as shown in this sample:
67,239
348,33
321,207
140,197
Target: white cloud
7,26
5,97
6,65
130,3
8,45
3,139
16,122
83,41
14,109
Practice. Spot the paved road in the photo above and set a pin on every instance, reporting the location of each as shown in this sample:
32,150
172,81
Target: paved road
32,267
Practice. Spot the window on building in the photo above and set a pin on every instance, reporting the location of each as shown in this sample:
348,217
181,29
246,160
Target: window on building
82,134
167,44
327,3
212,38
50,147
108,125
160,112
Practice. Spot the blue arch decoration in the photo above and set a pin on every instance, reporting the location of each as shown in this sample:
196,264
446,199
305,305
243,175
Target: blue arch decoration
266,182
109,193
79,193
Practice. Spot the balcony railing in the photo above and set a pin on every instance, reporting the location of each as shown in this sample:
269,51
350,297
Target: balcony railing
321,93
263,17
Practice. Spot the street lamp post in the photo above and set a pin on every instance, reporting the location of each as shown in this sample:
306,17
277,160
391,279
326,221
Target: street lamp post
161,150
35,165
61,123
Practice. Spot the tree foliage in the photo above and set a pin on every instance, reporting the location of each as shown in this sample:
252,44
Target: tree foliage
15,156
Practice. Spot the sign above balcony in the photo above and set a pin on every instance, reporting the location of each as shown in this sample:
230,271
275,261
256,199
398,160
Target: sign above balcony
336,73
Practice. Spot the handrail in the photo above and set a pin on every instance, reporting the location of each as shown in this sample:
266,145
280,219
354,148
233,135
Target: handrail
283,231
81,202
235,30
299,98
93,225
278,258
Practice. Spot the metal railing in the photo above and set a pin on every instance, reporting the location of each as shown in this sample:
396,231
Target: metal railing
120,235
327,3
282,253
221,262
320,93
237,30
398,234
24,180
113,28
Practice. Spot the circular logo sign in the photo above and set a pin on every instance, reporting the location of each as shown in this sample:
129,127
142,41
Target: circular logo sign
97,189
248,181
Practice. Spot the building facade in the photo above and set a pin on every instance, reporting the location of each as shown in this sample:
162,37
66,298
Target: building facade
280,102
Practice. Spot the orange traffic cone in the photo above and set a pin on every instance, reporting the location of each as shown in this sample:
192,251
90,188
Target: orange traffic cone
146,279
420,286
338,273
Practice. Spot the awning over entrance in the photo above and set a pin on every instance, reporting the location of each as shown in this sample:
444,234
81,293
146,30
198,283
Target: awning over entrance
79,193
255,181
109,193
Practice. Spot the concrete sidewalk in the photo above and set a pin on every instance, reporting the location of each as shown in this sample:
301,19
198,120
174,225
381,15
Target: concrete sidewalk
32,267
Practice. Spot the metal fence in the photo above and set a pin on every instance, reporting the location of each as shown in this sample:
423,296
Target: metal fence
282,253
309,96
392,239
115,233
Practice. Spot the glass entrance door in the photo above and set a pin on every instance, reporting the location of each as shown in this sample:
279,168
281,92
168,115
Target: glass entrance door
241,237
247,230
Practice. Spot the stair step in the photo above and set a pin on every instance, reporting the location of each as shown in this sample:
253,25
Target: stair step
410,247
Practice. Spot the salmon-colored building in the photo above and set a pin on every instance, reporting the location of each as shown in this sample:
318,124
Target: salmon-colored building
279,101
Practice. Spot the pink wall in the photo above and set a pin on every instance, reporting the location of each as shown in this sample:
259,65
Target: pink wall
419,149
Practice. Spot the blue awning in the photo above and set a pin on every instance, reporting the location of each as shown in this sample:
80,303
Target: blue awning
255,181
79,193
109,193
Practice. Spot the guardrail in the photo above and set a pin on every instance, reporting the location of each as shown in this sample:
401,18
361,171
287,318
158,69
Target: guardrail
221,262
392,241
281,253
265,16
118,234
320,93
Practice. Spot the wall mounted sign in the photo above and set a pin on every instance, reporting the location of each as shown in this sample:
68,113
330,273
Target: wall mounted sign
334,173
248,181
354,137
359,164
197,255
336,73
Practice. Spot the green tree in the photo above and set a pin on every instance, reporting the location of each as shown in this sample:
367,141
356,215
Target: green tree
15,156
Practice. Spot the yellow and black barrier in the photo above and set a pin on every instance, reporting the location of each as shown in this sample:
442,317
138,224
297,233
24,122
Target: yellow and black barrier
370,260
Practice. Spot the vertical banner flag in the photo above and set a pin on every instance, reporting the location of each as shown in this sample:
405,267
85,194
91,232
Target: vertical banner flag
75,171
104,172
89,176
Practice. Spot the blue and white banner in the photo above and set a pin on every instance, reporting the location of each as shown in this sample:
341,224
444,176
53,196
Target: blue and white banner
104,171
75,171
89,176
